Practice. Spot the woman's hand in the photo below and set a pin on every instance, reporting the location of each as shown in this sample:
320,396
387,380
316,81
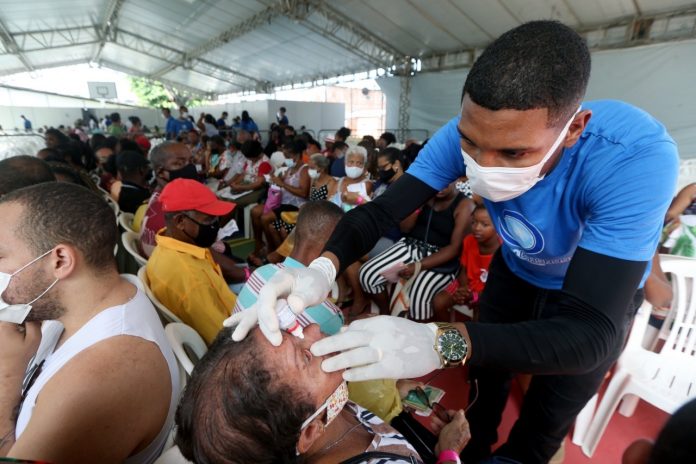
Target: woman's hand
453,435
277,180
408,271
350,197
462,296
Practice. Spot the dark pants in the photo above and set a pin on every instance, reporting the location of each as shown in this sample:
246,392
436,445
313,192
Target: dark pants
552,401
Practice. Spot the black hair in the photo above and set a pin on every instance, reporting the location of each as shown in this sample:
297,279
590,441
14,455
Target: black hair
388,137
97,140
393,155
224,113
316,220
68,173
296,146
62,138
343,132
282,108
411,152
164,108
339,146
251,148
234,409
209,119
21,171
540,64
115,117
315,143
63,213
134,120
129,161
128,145
111,142
676,443
72,152
245,116
217,140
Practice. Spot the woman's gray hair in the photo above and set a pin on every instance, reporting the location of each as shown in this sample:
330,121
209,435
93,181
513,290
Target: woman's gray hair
359,151
321,161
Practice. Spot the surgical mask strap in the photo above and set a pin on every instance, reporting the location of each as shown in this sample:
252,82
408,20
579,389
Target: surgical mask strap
44,292
31,262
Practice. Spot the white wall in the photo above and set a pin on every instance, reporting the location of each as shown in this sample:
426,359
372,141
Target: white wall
658,78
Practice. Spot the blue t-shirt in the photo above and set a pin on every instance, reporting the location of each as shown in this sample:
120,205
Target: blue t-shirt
608,193
185,125
172,128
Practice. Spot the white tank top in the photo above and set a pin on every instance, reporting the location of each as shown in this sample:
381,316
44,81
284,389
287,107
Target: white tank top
136,318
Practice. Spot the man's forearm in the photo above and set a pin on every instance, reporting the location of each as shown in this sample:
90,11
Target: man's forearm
10,396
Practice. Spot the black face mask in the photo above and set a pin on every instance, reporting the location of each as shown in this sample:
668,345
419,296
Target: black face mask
207,233
385,175
187,172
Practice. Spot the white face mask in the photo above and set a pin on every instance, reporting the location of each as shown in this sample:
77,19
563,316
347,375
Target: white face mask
501,184
313,174
289,162
333,405
354,172
17,313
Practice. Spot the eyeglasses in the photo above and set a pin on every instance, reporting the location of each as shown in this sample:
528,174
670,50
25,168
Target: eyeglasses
437,408
214,222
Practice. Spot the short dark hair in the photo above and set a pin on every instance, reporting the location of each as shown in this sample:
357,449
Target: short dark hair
343,132
315,143
129,161
676,444
388,137
540,64
393,155
339,146
235,410
296,145
282,108
115,117
251,148
21,171
316,217
217,140
60,212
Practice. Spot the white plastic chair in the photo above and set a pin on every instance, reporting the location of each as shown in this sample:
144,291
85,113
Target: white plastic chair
165,314
172,456
666,379
125,220
180,336
134,280
130,242
113,205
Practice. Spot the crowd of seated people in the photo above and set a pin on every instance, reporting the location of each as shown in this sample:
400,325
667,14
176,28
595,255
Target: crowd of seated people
107,341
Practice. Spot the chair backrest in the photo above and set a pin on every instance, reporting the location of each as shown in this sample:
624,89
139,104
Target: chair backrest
181,337
130,241
165,314
134,280
125,220
112,204
682,337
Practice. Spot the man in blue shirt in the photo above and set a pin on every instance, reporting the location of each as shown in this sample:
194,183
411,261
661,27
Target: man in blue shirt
577,191
27,124
172,127
281,117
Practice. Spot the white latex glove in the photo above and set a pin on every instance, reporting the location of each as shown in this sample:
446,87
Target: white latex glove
382,347
302,287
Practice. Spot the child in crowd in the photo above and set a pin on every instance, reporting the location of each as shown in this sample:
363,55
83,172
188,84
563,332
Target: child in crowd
477,251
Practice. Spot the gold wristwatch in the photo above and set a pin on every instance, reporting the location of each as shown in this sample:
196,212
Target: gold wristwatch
450,345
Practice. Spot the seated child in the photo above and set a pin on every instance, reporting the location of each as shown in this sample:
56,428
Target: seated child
477,251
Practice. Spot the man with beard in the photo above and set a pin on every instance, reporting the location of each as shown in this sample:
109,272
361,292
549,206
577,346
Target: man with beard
83,352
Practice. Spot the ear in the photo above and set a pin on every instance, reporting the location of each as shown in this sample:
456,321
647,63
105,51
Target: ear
577,127
179,222
63,260
310,435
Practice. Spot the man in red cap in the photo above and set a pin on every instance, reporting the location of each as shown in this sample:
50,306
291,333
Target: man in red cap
181,270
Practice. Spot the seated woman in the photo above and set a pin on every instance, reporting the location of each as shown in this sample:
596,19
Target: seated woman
252,178
433,238
323,185
250,402
294,190
354,189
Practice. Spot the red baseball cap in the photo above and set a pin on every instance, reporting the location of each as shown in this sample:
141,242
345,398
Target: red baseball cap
143,142
190,195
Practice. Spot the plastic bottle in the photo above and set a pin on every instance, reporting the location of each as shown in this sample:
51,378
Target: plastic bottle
288,320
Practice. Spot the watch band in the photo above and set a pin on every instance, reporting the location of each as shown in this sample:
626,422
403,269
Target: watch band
448,456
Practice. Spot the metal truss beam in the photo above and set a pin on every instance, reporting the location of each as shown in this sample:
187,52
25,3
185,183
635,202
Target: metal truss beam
246,26
343,31
107,28
11,46
8,72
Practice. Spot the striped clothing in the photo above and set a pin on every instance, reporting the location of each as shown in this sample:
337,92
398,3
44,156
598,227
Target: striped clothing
425,286
327,315
386,438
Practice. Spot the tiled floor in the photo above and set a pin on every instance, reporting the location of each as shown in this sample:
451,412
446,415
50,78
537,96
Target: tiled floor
622,431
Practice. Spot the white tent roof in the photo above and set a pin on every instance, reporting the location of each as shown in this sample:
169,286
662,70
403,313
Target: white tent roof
225,46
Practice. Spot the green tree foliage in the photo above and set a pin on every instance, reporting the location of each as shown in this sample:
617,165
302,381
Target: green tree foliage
155,94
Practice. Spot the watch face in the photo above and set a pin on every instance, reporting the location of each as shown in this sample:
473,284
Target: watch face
452,345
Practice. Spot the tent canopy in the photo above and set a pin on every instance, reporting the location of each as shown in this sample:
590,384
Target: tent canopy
216,47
